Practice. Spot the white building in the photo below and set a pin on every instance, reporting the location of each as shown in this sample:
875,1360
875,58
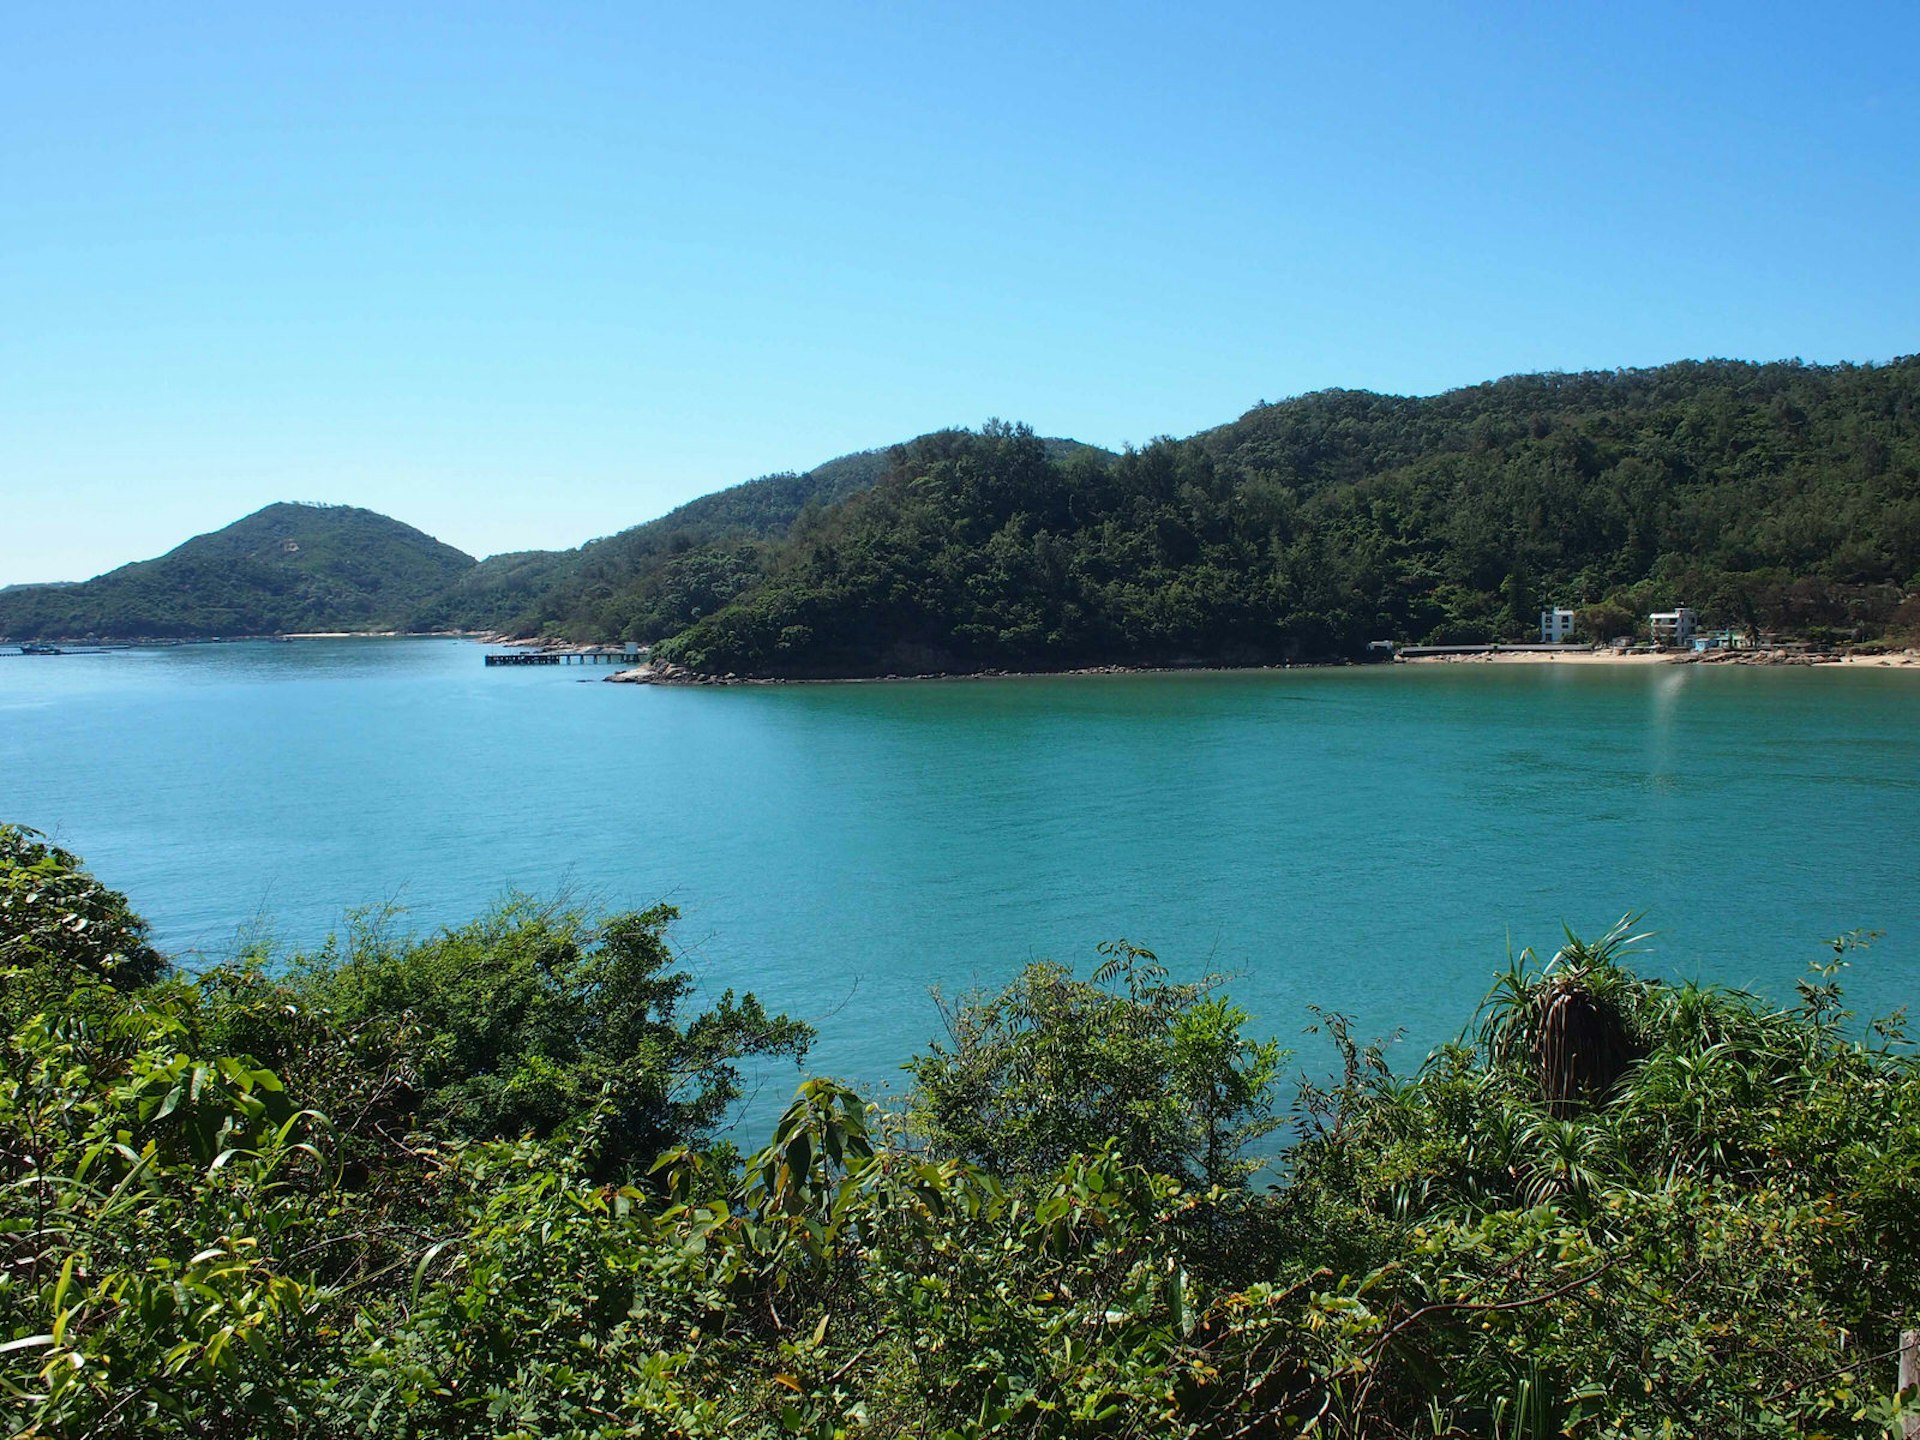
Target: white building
1555,626
1672,628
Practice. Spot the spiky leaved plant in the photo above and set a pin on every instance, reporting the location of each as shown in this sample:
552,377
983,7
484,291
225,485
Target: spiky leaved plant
1572,1021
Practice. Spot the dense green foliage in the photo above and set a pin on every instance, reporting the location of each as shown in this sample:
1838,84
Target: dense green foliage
656,579
56,915
354,570
287,568
649,579
339,1197
1777,498
1769,497
520,1023
1052,1067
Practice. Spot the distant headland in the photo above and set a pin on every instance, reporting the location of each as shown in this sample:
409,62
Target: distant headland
1778,504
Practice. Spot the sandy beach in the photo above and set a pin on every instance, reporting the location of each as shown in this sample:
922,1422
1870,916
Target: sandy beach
1546,657
1899,660
1895,660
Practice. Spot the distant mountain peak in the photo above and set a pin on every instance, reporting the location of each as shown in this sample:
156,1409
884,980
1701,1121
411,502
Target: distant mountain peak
288,566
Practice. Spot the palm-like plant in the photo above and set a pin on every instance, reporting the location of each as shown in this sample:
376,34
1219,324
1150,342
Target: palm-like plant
1574,1020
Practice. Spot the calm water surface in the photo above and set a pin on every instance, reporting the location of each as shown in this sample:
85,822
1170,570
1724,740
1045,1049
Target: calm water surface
1366,840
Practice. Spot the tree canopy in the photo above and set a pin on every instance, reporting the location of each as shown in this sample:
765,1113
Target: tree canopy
281,570
1768,497
1052,1066
371,1191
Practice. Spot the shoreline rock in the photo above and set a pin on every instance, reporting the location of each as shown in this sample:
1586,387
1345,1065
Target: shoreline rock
667,673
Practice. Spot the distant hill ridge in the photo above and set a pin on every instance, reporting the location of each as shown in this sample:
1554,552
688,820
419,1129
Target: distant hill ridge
285,568
298,566
1782,497
655,578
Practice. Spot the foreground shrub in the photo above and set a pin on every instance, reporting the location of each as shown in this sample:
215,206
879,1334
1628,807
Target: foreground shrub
524,1022
1615,1208
1053,1066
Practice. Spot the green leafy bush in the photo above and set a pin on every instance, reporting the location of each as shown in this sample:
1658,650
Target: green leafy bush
532,1021
1615,1208
57,920
1052,1066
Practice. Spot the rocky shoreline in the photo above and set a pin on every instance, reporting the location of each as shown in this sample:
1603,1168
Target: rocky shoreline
666,673
1891,659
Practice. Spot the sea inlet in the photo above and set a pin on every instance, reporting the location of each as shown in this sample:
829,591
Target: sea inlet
1373,840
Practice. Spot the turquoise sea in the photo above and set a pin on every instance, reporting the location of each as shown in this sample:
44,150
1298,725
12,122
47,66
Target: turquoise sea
1368,840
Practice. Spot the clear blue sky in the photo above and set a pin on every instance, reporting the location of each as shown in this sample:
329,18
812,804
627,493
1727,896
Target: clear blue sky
521,275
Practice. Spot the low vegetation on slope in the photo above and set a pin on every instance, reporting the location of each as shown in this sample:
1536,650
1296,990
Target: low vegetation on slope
471,1185
1769,497
291,568
656,579
646,580
284,569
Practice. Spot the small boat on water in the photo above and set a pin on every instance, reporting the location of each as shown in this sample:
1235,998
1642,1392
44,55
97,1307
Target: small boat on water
40,650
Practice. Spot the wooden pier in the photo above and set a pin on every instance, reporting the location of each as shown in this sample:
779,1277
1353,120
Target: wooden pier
568,657
82,649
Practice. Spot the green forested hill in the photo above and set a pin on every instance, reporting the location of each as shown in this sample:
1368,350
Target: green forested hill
657,578
326,567
1780,497
594,592
1769,497
285,568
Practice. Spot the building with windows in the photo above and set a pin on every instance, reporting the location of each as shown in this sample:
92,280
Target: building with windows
1555,626
1672,629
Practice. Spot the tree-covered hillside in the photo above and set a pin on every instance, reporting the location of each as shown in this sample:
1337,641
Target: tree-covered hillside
334,567
285,568
1778,497
578,594
657,578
